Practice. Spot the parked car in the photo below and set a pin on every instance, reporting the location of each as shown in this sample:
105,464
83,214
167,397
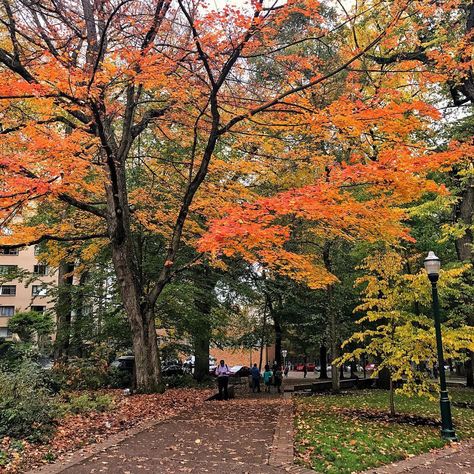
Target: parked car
125,363
240,371
310,367
172,367
371,367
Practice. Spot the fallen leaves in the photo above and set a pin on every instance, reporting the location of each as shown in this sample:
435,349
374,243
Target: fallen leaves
86,429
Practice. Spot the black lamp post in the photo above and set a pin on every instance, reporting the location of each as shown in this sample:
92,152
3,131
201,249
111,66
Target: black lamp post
432,267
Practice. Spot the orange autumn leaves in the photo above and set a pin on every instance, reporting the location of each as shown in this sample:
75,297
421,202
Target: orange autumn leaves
357,196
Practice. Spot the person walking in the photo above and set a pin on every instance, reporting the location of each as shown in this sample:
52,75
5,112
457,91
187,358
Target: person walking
305,371
267,378
278,378
287,369
255,373
223,372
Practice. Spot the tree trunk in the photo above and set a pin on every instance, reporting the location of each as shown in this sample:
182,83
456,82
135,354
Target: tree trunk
78,327
469,365
353,369
323,361
392,398
262,345
145,349
334,353
278,337
63,312
142,322
464,214
201,353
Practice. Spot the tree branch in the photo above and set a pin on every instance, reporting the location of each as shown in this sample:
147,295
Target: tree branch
57,238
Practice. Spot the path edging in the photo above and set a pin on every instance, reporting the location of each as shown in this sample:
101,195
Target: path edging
282,451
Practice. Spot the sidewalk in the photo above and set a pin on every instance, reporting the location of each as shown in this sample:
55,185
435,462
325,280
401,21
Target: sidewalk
220,437
248,435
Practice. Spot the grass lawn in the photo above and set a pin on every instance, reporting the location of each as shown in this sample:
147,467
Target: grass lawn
333,434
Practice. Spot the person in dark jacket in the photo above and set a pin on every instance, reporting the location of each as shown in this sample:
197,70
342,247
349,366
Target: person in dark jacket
255,378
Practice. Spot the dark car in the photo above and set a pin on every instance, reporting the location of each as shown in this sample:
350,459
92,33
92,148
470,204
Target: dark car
125,363
240,371
173,367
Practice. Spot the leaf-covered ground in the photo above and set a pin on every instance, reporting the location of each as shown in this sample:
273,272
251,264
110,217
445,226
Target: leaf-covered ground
76,431
349,432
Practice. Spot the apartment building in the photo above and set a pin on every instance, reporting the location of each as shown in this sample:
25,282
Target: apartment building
28,294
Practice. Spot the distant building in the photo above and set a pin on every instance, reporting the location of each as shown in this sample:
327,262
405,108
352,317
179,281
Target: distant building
29,294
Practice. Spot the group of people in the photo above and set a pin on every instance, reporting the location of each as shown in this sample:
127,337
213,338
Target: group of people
271,377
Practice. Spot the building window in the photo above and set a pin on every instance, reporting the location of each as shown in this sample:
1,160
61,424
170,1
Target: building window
39,290
7,251
7,311
40,269
5,269
8,290
38,309
5,332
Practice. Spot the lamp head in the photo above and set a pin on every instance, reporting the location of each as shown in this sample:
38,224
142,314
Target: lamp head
432,265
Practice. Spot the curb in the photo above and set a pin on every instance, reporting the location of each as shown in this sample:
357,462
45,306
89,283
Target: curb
281,454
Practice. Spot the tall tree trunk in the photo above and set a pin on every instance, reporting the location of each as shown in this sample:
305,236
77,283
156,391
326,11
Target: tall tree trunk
465,216
63,311
78,326
145,349
278,337
470,369
262,345
332,322
392,398
334,354
142,321
323,361
206,281
201,342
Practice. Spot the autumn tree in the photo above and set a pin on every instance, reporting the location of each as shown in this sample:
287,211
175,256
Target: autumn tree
397,327
85,84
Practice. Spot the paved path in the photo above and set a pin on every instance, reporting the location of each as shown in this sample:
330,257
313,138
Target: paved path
236,436
242,436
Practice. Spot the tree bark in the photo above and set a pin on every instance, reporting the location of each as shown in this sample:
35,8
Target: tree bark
201,353
392,398
278,337
323,361
63,312
469,365
464,214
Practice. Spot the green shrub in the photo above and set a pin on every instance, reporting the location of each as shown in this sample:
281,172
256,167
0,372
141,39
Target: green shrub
85,403
27,406
118,378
